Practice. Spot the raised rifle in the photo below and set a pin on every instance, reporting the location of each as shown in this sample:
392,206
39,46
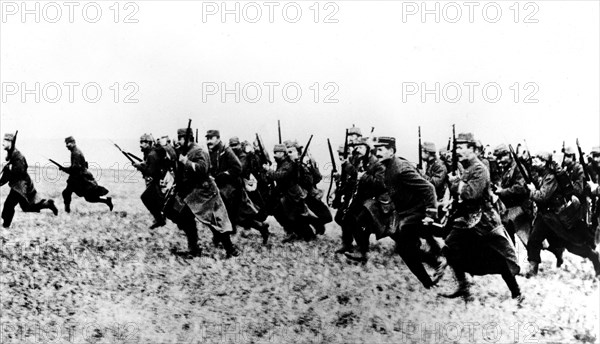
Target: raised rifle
582,161
263,155
337,200
420,164
10,152
526,175
196,135
333,171
129,156
454,155
279,130
563,153
301,160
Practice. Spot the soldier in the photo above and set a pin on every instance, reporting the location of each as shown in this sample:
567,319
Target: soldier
153,169
290,209
575,172
226,168
594,164
248,213
370,183
22,191
411,196
354,134
309,177
435,172
477,243
81,181
196,197
514,195
554,204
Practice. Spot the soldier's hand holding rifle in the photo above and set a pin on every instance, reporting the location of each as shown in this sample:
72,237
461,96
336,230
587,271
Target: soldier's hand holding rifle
183,159
531,187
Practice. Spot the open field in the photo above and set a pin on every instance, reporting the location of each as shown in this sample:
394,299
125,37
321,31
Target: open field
93,276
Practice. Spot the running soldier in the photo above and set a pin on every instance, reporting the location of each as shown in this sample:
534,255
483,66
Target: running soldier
22,190
477,243
558,218
196,197
81,181
153,169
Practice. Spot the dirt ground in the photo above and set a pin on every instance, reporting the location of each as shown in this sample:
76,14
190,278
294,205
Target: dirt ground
94,276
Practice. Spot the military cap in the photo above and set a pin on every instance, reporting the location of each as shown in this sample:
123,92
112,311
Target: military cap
181,132
465,138
544,155
363,141
501,149
444,150
429,147
595,150
386,141
570,150
212,133
291,143
146,138
279,148
354,131
70,139
9,136
234,141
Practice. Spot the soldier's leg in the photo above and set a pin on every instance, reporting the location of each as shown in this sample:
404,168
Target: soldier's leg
588,252
511,283
67,192
97,199
36,207
539,233
8,211
186,221
225,239
408,246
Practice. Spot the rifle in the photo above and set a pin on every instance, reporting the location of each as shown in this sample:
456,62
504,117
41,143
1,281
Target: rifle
582,162
263,155
300,161
420,164
196,135
337,200
279,130
10,152
306,149
525,173
333,170
454,155
129,156
449,143
60,167
563,153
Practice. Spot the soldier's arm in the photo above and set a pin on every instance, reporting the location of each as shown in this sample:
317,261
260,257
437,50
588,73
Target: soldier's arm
375,179
198,164
281,173
77,163
475,185
578,179
234,166
547,189
517,188
438,175
413,180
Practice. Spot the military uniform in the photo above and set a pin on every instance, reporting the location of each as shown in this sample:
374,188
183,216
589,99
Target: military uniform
154,167
550,222
226,168
22,190
290,211
249,214
81,181
477,242
356,219
512,191
436,172
197,198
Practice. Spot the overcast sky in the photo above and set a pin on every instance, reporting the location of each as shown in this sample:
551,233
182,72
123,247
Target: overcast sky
374,54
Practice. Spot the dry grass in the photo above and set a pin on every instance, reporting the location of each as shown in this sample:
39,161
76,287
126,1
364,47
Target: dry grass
98,277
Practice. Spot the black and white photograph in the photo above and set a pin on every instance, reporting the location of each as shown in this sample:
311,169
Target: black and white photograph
306,171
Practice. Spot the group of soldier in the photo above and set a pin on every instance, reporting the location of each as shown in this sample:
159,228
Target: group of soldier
463,206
